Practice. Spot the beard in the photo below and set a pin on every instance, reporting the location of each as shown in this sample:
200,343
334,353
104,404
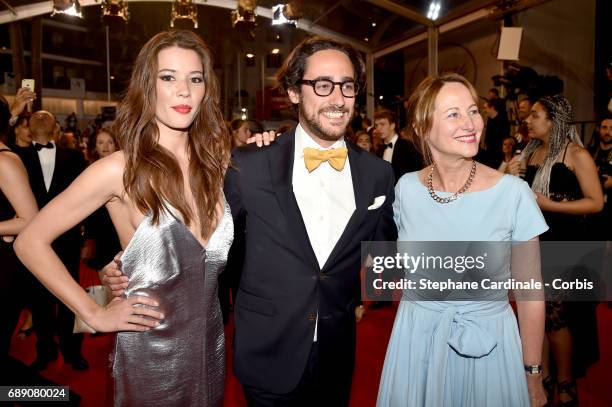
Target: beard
315,126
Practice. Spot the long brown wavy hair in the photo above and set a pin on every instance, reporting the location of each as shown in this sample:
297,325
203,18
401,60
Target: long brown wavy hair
152,176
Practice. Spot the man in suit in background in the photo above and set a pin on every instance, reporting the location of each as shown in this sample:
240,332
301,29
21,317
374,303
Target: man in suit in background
402,154
497,129
51,169
307,201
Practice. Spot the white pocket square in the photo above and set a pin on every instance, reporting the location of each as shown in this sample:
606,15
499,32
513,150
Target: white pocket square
378,201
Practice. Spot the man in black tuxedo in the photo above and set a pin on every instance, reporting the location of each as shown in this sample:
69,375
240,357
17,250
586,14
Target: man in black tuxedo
51,169
402,154
307,202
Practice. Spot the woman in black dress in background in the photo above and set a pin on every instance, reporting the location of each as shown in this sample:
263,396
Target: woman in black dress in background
17,207
563,175
101,240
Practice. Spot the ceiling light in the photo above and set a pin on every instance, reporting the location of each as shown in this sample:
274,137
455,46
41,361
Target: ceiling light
275,51
114,11
184,13
281,15
434,10
249,55
245,13
373,24
68,7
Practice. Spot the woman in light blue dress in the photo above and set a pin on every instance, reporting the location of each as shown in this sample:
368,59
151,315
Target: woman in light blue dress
462,353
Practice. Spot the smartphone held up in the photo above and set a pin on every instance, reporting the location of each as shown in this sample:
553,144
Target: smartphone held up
29,85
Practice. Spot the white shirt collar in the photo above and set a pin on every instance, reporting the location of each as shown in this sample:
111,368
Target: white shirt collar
394,139
51,141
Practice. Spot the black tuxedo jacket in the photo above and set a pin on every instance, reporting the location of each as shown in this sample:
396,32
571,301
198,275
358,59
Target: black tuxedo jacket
282,286
68,165
406,158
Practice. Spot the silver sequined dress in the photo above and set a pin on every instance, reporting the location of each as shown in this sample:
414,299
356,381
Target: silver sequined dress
182,361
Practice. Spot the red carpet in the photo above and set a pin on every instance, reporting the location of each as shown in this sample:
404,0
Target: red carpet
372,337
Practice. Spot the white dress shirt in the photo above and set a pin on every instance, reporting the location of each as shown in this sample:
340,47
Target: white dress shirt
325,198
47,162
388,153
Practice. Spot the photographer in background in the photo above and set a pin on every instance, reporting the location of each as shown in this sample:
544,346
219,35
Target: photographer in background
497,129
493,94
600,224
521,135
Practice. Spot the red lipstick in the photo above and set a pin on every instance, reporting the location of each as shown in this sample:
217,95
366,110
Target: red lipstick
182,109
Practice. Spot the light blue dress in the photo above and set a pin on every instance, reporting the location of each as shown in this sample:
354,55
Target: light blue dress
458,353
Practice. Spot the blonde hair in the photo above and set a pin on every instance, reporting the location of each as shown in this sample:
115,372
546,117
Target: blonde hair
422,104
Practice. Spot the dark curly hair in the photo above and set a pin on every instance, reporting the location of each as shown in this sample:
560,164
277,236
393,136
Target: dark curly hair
294,66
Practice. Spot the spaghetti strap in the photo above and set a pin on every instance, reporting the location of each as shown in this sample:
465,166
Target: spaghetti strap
565,152
5,149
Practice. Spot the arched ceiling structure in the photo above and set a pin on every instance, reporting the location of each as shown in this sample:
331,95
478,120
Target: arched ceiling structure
370,25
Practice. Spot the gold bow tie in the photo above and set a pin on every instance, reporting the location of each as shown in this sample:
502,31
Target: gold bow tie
336,157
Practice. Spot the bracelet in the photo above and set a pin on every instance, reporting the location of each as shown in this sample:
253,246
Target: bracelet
533,369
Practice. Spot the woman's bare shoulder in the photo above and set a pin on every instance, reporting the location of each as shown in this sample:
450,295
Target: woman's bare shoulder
578,155
106,173
574,148
114,164
10,163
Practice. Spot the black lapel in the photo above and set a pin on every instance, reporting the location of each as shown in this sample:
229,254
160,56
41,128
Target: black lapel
37,168
362,201
60,159
281,156
37,179
396,150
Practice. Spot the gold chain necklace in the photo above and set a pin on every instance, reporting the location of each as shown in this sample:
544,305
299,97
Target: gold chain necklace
454,196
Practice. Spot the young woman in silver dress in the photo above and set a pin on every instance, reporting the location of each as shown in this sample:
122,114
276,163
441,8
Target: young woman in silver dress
163,191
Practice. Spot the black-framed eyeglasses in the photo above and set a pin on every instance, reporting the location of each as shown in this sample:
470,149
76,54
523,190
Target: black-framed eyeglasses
325,87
